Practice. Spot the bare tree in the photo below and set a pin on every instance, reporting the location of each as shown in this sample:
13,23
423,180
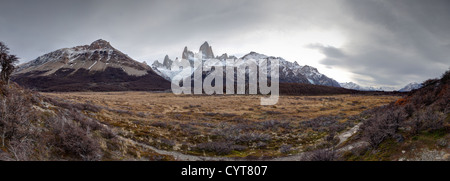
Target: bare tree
7,62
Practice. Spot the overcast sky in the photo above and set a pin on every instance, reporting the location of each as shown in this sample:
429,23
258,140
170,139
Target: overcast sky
370,42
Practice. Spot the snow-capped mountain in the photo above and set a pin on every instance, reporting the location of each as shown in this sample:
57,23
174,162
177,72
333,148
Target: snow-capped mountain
97,56
354,86
316,78
165,69
290,72
92,67
410,87
351,85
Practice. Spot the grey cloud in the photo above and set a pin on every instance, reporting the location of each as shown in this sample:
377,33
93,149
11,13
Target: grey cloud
329,51
391,42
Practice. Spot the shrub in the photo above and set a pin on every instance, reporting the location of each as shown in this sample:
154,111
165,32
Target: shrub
401,101
244,127
120,111
189,129
142,114
167,142
330,137
427,120
445,77
160,124
321,124
429,82
274,124
285,149
247,138
382,126
409,109
15,125
220,148
84,121
261,145
322,155
73,140
89,106
210,114
273,112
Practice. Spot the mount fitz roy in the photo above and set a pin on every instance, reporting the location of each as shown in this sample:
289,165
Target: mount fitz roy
94,67
289,72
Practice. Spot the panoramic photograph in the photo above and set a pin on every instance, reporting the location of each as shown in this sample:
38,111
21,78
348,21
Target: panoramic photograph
225,80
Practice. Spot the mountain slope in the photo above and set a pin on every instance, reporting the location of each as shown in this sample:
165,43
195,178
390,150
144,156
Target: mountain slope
94,67
415,127
410,87
37,127
352,85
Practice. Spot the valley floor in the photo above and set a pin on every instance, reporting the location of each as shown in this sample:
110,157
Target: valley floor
234,126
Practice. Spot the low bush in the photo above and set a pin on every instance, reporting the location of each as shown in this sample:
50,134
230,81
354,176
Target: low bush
426,120
74,141
16,131
274,124
219,148
247,138
160,124
285,149
322,155
382,126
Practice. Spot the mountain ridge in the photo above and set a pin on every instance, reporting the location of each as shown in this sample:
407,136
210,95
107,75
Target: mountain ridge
354,86
290,72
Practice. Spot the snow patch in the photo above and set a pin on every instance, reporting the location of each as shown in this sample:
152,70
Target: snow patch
92,65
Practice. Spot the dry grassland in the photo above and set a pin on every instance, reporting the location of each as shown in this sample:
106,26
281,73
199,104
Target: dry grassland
233,125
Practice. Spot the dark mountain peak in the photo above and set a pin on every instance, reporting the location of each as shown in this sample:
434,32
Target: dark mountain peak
167,62
187,54
206,50
223,57
206,44
100,44
309,68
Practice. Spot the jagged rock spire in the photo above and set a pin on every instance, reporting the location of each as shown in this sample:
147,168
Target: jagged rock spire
167,62
207,51
186,54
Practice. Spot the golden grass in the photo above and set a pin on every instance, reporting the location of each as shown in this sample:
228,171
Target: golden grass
207,113
162,104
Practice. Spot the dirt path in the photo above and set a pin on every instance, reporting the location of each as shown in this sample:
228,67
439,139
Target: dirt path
347,134
177,155
342,138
